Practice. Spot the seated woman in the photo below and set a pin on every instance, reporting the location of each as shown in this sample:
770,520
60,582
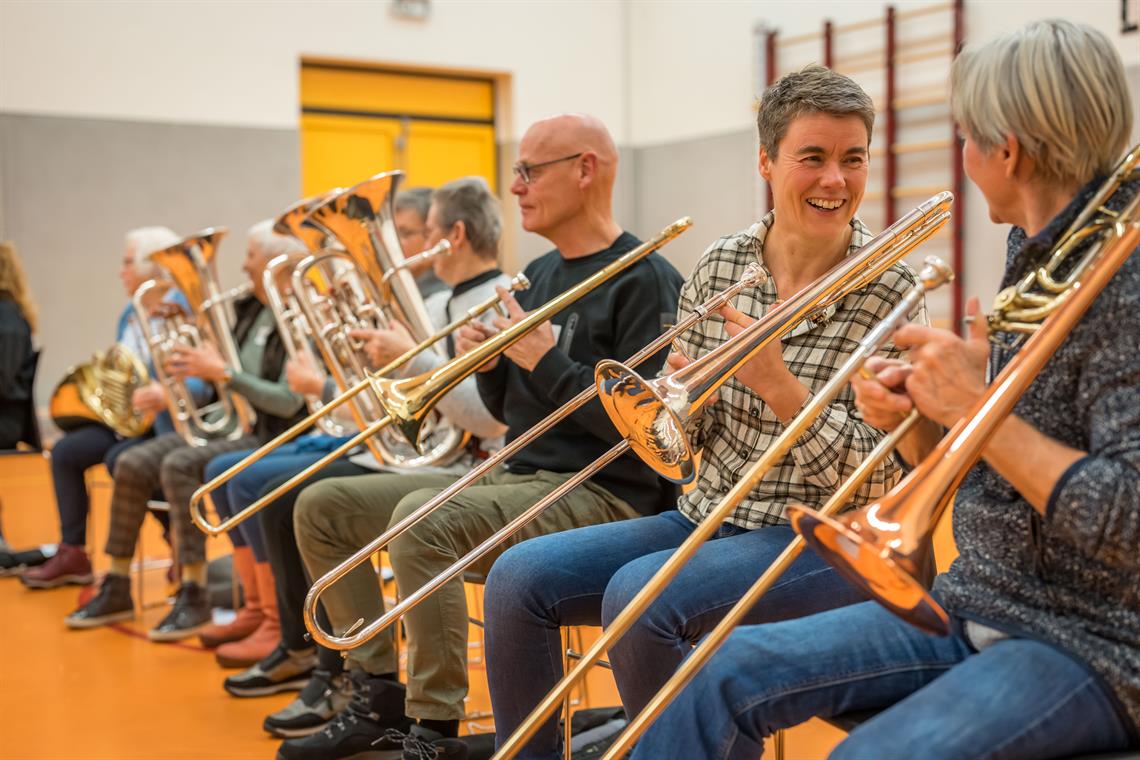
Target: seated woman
1044,659
17,356
92,443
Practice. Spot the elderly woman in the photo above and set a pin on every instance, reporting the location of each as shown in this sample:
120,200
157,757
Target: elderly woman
168,461
91,443
1044,660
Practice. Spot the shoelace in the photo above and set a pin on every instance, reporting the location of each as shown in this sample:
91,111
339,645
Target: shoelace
393,735
347,717
419,748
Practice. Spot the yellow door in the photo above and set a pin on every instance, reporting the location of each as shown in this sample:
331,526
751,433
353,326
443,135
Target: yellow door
356,122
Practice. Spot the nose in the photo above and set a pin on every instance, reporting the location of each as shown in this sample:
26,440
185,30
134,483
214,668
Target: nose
518,187
831,176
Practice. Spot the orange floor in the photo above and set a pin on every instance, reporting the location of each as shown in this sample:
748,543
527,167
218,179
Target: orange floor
110,693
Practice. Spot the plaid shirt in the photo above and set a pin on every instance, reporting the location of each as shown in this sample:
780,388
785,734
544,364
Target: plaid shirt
739,426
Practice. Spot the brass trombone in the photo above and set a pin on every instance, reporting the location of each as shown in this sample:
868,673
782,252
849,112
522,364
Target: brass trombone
408,401
852,273
878,255
880,548
933,275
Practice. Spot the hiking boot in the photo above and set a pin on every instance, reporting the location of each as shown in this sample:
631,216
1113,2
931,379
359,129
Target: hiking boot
190,614
424,744
281,671
322,698
69,565
250,615
373,726
110,604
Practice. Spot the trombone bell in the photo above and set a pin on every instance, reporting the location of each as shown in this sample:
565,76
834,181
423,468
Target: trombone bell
649,414
865,555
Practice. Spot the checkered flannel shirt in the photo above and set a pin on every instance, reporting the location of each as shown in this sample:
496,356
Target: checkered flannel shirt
739,426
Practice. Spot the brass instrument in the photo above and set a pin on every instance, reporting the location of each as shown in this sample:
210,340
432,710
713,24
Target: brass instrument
355,635
880,548
852,273
365,285
190,265
100,391
408,401
294,328
933,275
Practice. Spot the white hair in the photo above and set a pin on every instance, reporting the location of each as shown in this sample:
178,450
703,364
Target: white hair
1058,87
270,244
143,241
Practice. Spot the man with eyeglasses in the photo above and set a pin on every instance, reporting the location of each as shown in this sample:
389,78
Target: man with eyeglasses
564,182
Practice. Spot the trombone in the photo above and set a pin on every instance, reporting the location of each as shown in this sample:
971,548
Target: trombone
882,252
408,401
880,548
852,273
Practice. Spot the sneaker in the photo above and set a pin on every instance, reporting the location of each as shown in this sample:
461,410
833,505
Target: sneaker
373,726
111,604
15,563
69,565
322,698
424,744
281,671
190,614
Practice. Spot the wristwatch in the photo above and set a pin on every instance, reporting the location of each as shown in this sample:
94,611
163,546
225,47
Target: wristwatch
227,375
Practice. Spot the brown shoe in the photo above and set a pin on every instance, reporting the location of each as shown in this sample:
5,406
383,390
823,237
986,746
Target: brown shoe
261,643
69,565
249,617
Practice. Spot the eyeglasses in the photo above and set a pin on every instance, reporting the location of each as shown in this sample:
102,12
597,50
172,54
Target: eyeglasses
524,170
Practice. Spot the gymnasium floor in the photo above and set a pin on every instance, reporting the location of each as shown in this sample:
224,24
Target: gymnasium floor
111,693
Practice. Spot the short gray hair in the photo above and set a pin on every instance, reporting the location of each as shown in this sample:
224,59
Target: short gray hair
811,90
416,199
270,244
469,200
143,241
1058,87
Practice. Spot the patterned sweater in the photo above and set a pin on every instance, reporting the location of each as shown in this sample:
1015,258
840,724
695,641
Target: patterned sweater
1071,578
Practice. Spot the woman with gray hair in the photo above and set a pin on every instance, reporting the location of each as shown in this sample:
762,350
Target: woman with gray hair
1044,657
91,443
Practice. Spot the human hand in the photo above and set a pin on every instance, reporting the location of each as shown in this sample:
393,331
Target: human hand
303,377
880,392
148,399
528,351
202,361
948,373
471,335
382,346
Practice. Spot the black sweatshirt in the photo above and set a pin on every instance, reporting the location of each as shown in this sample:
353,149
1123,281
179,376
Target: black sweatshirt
613,321
17,368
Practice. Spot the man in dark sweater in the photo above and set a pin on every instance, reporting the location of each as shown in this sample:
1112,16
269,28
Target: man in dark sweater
564,183
1043,659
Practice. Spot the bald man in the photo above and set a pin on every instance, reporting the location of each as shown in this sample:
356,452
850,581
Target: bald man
564,182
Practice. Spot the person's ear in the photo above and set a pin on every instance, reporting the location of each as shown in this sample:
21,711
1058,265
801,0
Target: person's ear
458,234
1011,155
765,164
587,167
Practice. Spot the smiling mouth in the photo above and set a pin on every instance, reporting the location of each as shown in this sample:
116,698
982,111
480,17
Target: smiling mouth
826,204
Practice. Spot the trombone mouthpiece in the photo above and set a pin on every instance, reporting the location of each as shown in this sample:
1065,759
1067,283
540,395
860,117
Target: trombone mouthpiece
935,273
679,226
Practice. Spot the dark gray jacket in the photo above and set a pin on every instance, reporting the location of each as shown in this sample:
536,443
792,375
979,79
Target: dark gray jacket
1071,578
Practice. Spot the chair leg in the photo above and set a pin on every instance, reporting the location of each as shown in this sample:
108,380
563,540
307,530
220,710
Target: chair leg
566,701
778,745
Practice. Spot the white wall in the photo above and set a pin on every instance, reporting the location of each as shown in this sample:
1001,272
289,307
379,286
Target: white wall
236,63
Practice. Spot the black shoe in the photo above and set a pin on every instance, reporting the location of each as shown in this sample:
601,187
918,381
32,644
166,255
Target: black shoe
191,614
323,697
14,563
111,604
281,671
372,727
424,744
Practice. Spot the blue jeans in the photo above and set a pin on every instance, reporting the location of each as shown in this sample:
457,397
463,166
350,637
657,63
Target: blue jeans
1017,698
244,489
587,576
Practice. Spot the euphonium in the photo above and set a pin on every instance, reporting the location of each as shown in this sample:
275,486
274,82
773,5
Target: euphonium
190,265
100,391
408,401
367,285
652,414
853,272
880,548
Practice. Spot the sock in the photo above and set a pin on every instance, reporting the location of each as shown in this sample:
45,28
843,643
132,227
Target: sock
121,566
448,729
194,572
393,677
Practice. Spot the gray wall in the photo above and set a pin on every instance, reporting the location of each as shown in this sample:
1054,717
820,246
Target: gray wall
70,188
